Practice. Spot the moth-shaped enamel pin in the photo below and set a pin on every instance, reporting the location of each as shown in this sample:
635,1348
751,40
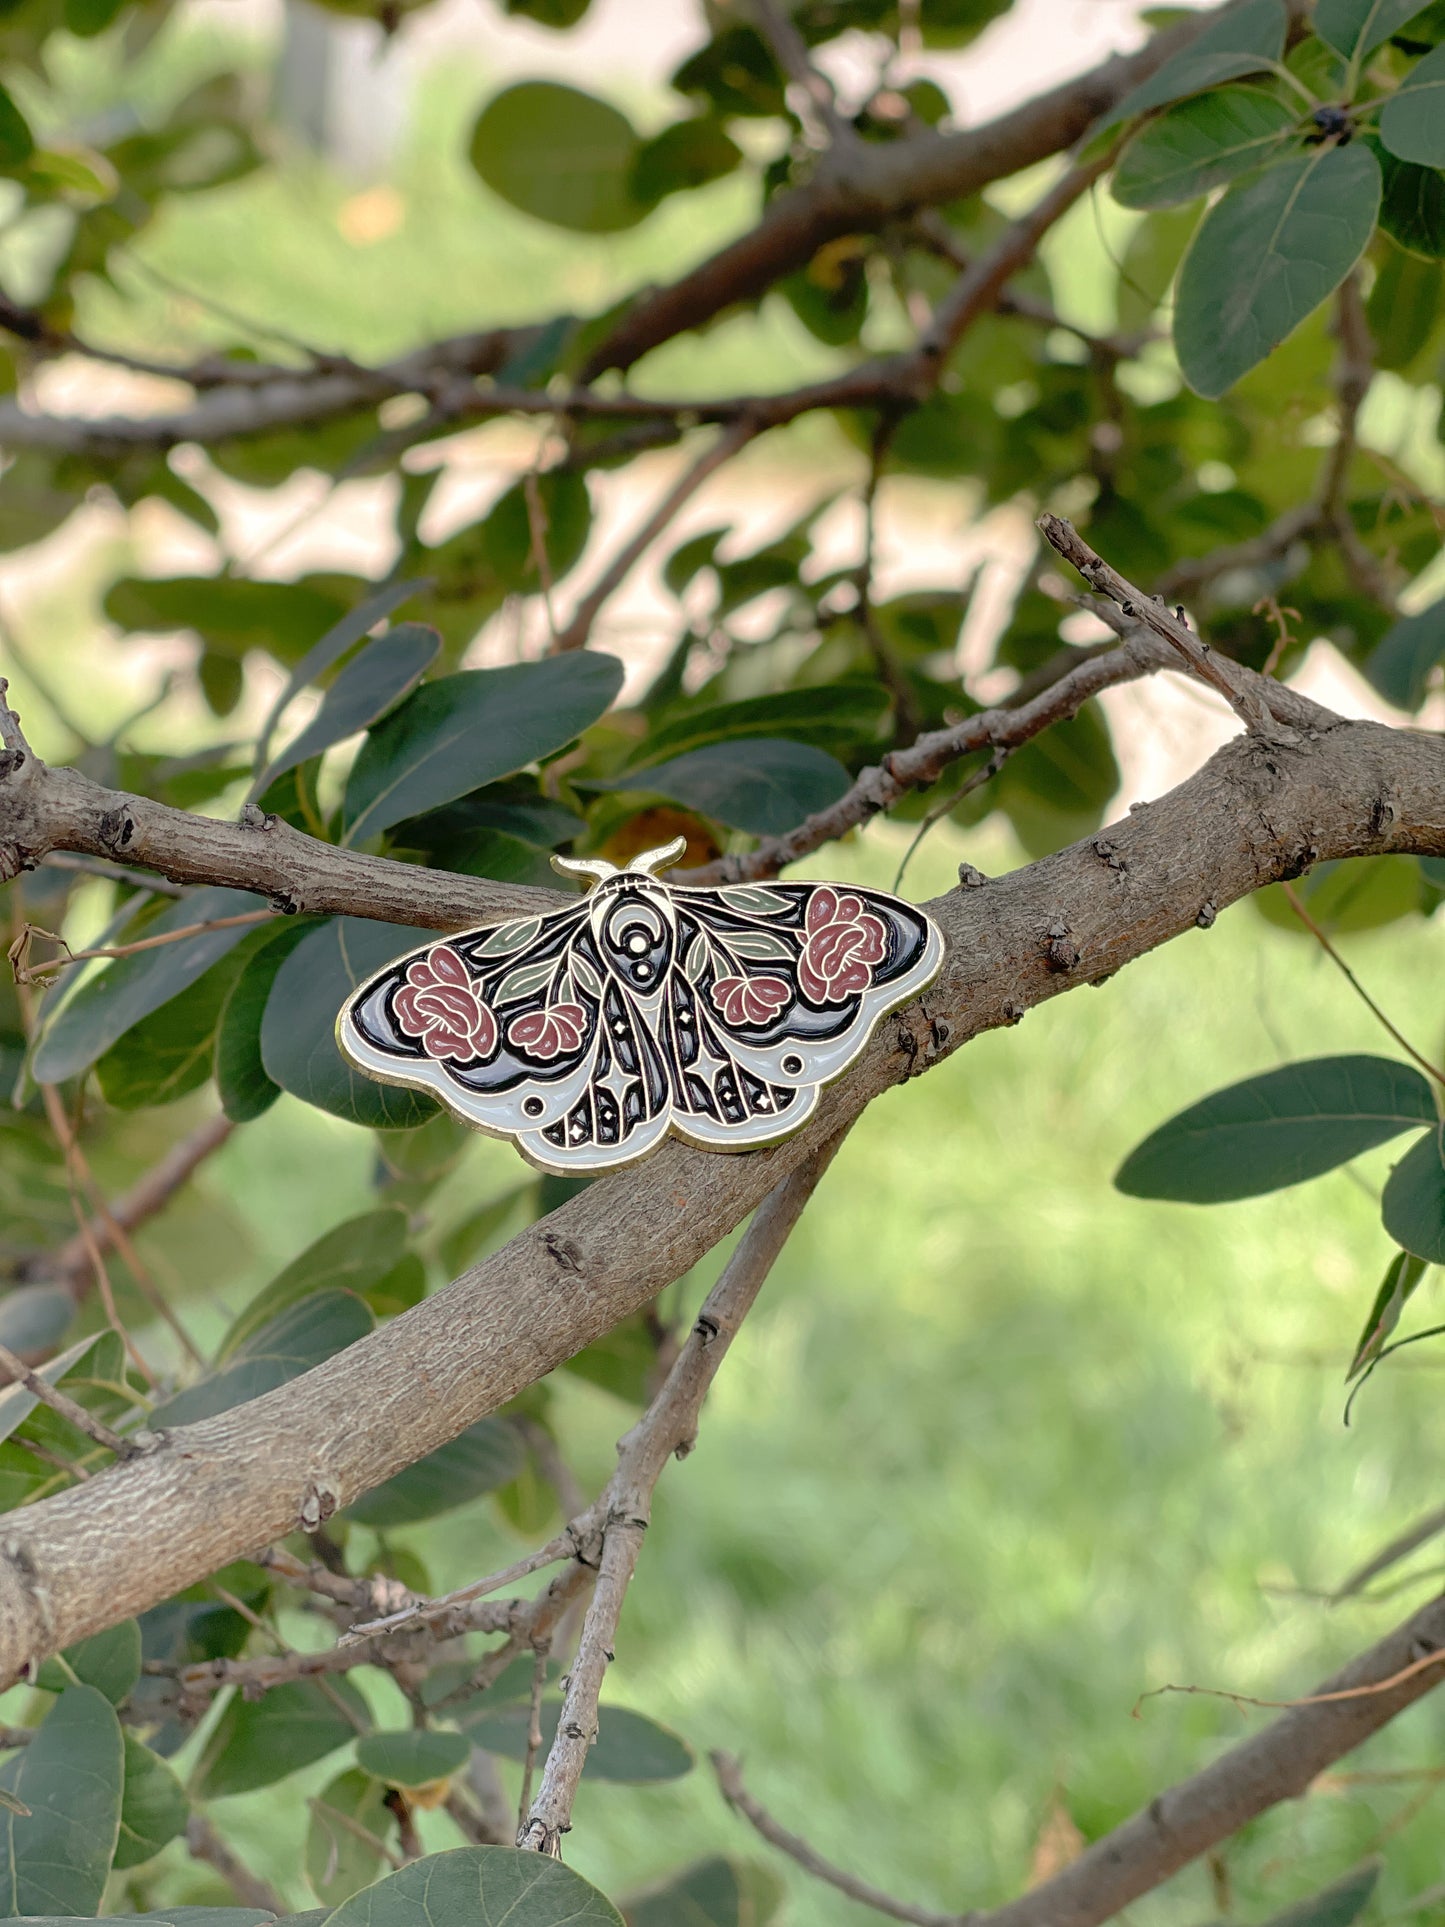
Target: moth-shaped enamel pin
587,1034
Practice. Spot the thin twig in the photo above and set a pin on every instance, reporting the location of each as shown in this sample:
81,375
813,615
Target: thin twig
730,1783
96,1430
1399,1548
1296,903
204,1843
714,457
668,1426
28,973
540,1656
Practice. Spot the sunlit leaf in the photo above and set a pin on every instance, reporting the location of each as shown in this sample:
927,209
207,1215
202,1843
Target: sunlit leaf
561,155
1401,1277
1244,41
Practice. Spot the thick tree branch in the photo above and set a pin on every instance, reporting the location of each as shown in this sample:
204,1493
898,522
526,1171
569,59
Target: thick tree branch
863,187
1254,814
1185,1820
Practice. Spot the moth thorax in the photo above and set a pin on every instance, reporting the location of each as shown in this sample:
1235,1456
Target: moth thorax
632,921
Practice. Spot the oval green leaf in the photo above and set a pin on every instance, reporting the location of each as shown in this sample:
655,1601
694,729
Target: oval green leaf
480,1884
373,682
415,1757
17,143
346,1840
298,1030
1402,1275
245,1090
483,1457
302,1336
1400,664
1412,210
717,1892
257,1742
173,1051
1267,256
1413,1206
105,1007
352,1256
1406,302
563,156
463,731
761,784
1334,1906
71,1776
1412,121
1245,41
154,1807
1200,144
109,1661
1276,1130
630,1748
1355,28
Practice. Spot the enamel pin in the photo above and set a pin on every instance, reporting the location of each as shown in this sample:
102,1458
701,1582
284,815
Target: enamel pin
587,1034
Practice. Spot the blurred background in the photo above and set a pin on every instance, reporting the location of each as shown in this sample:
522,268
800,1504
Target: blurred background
999,1450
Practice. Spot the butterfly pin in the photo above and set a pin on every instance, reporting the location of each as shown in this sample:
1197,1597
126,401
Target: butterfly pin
587,1034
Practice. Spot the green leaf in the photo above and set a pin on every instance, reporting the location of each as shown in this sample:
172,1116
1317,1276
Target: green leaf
108,1661
257,1742
1412,210
1058,787
34,1318
88,17
301,1336
682,157
629,1747
17,143
622,1361
1405,303
352,1256
716,1892
550,13
230,612
470,1240
172,1051
402,1287
372,683
1266,256
560,155
1246,40
832,716
1401,1277
1364,893
1413,1205
105,1007
154,1808
71,1777
1200,144
340,637
762,784
298,1040
462,731
1412,121
1334,1906
1400,664
414,1757
245,1090
506,539
1277,1129
1355,28
477,1884
95,1354
483,1457
339,1859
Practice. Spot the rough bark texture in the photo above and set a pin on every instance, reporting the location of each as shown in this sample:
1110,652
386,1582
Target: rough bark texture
132,1536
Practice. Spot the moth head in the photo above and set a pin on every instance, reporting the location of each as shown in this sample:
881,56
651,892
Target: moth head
599,869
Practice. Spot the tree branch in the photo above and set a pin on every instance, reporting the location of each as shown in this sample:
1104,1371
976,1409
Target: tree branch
135,1534
862,188
668,1426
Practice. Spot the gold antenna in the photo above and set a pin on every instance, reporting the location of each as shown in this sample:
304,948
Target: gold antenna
596,867
651,861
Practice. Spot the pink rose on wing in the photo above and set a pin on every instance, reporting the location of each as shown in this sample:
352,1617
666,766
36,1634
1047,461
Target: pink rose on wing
547,1033
439,1005
841,944
750,1000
